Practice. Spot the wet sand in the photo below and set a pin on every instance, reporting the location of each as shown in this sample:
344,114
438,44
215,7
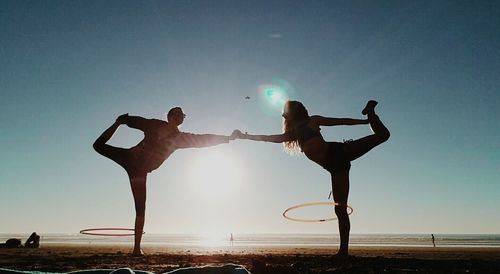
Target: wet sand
258,260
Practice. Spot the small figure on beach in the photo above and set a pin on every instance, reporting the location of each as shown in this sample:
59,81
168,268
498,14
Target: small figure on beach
302,132
33,241
11,243
231,239
161,139
433,240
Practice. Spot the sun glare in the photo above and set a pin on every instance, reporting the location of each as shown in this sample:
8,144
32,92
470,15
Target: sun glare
215,174
214,240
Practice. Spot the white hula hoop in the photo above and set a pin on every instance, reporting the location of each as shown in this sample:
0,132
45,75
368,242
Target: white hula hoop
94,231
349,211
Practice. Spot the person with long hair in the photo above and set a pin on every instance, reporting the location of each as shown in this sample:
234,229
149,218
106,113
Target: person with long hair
161,138
301,132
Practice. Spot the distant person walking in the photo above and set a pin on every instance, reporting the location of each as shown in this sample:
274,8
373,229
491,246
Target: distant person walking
302,131
161,138
433,240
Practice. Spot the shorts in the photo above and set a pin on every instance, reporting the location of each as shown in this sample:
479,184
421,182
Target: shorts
336,158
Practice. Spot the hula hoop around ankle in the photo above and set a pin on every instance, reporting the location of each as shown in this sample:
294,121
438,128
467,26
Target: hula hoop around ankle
90,231
349,211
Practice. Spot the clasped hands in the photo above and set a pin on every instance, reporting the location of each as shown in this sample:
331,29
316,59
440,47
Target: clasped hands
237,134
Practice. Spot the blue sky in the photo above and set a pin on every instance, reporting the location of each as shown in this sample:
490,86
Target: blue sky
69,68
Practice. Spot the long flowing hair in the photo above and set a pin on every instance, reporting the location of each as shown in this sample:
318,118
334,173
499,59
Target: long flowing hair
295,115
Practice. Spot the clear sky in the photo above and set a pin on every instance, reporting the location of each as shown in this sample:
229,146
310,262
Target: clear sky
69,68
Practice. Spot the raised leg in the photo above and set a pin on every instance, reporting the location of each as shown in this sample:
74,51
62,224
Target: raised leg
340,189
119,155
358,148
105,136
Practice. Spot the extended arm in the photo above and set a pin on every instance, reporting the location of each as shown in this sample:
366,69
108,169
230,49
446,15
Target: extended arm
327,121
136,122
278,138
187,140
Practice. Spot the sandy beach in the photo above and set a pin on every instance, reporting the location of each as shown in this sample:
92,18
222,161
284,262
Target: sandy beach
64,258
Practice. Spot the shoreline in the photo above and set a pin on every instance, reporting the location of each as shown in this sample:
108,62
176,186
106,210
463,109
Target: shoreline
275,240
71,257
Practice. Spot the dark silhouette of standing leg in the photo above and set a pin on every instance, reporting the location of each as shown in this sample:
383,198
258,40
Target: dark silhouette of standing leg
340,180
124,158
138,186
340,189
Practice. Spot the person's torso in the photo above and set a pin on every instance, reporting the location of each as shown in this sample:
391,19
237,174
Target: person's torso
306,132
311,141
158,144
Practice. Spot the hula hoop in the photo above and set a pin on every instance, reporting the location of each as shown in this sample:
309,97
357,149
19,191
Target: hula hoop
90,231
349,211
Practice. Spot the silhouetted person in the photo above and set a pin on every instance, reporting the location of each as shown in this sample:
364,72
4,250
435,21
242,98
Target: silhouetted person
433,240
33,241
302,131
11,243
161,138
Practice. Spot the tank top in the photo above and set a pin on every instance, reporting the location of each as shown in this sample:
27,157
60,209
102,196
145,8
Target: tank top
304,133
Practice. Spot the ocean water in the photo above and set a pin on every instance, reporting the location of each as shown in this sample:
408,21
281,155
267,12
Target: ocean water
275,240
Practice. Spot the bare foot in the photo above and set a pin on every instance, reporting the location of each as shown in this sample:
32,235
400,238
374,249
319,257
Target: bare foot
138,253
370,107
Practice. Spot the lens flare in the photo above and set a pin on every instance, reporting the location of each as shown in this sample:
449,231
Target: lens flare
274,95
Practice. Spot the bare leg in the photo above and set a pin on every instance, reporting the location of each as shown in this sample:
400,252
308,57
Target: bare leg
138,185
105,136
340,189
121,156
124,158
358,148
